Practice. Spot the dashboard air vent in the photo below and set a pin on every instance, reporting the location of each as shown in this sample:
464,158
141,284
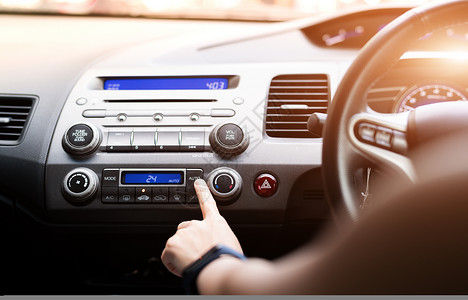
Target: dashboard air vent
14,113
291,100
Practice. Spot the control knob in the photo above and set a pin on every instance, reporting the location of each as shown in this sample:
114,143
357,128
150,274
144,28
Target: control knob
81,139
225,184
228,140
80,185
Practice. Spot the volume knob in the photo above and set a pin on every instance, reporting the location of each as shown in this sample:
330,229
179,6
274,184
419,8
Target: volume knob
228,140
81,139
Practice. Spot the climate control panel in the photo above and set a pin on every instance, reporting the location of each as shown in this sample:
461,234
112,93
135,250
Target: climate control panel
149,186
156,186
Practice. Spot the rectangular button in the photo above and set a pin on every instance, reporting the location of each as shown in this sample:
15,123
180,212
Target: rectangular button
192,141
126,195
167,141
160,195
143,195
143,141
110,177
367,132
110,195
94,113
192,175
220,112
119,141
176,195
383,137
191,196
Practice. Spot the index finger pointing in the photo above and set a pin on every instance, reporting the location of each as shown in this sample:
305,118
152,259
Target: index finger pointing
206,200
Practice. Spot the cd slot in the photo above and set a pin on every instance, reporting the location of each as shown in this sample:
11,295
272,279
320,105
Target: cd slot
107,113
158,100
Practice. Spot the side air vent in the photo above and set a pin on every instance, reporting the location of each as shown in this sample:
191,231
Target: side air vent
14,114
291,100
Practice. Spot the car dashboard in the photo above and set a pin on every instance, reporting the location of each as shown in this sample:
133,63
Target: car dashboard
105,123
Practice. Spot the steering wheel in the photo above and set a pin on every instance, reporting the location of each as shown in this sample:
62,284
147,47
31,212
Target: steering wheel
356,136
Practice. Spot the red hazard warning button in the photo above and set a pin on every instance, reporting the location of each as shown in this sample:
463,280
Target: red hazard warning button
265,185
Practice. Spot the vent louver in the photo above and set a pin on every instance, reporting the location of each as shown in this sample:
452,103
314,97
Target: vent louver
291,100
14,113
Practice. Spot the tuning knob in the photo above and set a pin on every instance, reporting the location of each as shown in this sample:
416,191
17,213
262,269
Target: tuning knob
228,140
225,184
80,185
81,139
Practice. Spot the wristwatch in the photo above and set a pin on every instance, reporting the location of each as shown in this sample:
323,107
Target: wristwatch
190,274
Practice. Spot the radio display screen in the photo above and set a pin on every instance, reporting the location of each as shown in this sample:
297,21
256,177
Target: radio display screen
152,177
175,83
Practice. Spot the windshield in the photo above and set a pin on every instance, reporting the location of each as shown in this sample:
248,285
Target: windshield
253,10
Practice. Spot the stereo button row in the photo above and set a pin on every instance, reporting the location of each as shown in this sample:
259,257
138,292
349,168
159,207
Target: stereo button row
151,141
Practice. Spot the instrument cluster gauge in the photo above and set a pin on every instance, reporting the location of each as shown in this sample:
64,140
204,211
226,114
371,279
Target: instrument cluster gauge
427,94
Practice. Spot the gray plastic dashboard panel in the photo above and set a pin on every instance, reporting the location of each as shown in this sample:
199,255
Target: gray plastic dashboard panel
264,155
62,104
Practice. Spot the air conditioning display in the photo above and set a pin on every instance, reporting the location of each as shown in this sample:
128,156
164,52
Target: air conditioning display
152,177
167,83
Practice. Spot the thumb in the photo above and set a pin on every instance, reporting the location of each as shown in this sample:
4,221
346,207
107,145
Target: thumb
207,202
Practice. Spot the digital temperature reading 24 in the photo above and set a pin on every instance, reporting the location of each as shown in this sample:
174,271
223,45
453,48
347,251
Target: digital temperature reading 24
152,177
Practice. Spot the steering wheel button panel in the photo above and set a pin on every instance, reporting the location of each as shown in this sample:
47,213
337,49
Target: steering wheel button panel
265,185
383,137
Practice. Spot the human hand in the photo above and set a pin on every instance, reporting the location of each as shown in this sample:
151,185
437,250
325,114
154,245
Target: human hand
194,238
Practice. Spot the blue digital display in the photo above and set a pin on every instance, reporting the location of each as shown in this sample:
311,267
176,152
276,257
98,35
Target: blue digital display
212,83
152,178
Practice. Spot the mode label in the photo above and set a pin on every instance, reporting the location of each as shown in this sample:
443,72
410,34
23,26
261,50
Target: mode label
110,177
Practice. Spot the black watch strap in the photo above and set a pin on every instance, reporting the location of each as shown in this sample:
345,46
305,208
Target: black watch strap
190,274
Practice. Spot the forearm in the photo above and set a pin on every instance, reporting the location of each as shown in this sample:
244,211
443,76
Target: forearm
228,275
292,274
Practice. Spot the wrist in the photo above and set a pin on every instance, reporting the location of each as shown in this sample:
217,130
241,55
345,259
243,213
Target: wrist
191,273
216,278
